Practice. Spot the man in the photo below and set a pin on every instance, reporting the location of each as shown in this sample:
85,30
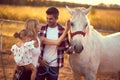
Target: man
52,56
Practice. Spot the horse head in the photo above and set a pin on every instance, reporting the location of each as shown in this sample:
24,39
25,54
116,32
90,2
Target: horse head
79,23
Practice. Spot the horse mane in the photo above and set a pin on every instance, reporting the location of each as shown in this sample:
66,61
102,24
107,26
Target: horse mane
91,28
93,31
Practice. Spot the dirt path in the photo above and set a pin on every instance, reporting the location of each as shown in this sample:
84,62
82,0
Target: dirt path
65,72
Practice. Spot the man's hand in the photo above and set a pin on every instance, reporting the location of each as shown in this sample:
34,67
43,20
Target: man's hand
68,25
43,62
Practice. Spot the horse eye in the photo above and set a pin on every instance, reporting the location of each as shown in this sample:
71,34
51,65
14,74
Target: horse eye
86,25
72,24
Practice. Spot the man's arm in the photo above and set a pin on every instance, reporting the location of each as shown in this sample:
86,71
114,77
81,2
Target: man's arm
59,40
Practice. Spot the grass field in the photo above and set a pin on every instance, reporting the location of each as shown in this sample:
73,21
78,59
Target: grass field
99,18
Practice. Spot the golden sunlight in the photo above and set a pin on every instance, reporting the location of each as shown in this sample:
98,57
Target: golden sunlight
92,2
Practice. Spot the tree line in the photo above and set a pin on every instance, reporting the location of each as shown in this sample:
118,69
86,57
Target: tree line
54,3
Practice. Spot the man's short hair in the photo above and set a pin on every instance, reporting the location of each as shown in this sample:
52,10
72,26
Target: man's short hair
53,10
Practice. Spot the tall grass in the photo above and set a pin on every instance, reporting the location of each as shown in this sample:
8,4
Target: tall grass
99,18
22,12
26,12
106,19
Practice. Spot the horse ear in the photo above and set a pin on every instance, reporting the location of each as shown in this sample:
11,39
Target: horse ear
69,10
86,11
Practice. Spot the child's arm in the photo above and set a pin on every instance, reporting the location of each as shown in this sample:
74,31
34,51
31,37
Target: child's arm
56,42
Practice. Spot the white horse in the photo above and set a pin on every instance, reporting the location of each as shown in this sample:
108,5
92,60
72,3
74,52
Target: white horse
92,52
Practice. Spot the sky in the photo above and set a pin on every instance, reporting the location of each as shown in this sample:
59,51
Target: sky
92,2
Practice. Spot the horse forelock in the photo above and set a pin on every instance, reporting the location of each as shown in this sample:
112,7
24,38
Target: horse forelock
80,8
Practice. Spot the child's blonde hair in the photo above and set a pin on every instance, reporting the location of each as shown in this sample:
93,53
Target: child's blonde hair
32,24
23,33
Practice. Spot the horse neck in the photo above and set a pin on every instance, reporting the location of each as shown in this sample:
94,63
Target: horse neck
92,36
90,42
92,32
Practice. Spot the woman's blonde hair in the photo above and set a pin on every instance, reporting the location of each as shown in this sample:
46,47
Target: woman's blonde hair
32,24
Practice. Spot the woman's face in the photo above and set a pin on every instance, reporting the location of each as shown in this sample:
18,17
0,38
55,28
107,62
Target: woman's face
37,28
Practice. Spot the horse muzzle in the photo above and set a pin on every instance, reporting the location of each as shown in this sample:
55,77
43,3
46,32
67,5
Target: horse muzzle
78,48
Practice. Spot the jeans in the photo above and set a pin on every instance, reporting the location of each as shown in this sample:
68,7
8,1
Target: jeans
42,74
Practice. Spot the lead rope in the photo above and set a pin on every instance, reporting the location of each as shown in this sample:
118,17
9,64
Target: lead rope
49,70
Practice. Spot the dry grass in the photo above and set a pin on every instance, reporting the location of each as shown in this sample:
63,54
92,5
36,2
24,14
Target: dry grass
106,19
25,12
65,72
99,18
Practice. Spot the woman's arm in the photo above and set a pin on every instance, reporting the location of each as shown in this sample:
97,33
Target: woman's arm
56,42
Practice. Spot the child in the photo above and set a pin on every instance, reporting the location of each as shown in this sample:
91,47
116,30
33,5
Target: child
22,51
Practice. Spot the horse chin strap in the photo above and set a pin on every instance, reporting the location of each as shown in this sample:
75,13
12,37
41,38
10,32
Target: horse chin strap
76,33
